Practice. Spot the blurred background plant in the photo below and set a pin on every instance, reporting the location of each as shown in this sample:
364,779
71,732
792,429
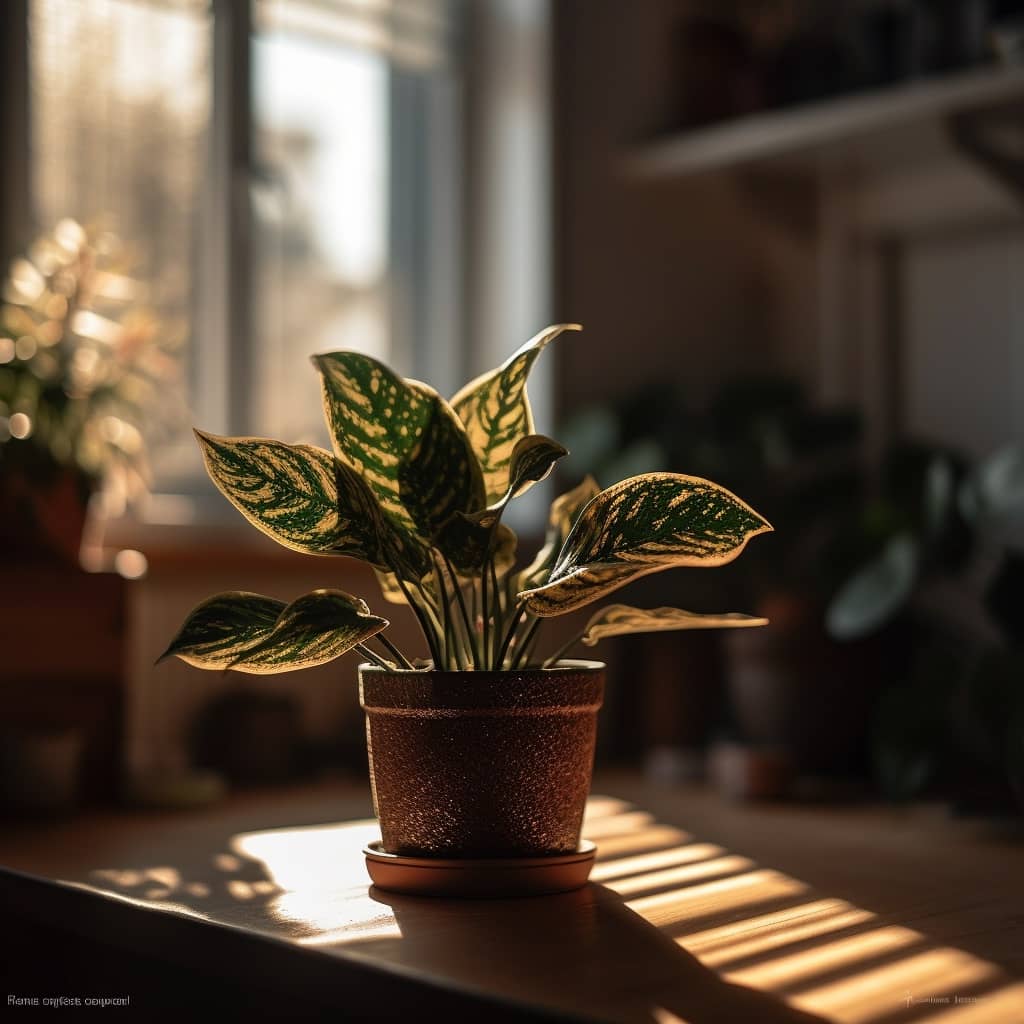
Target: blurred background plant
952,570
86,378
895,594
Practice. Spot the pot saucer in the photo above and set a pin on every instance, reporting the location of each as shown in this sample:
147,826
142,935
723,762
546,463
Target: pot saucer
490,877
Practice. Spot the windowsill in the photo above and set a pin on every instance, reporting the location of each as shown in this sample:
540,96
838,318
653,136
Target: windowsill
181,532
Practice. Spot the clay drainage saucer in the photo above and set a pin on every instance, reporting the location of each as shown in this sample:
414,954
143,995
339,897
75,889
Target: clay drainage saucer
491,877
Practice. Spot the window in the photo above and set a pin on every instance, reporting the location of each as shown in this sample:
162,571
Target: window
285,172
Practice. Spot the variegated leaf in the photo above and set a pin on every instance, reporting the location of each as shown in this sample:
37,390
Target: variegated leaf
222,628
643,525
313,629
496,410
477,537
440,479
473,535
565,510
386,428
579,588
618,619
385,543
533,458
503,553
291,493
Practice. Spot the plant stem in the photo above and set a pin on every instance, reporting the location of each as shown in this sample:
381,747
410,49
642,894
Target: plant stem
452,647
487,633
496,611
526,643
428,633
557,656
520,611
372,656
402,659
474,650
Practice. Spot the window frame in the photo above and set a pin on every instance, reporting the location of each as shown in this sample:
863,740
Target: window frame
473,279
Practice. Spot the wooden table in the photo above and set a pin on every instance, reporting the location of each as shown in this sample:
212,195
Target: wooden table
698,911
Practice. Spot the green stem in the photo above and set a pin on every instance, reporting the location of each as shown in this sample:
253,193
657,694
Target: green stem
452,647
372,656
428,633
557,656
402,659
487,632
474,650
496,612
526,644
520,611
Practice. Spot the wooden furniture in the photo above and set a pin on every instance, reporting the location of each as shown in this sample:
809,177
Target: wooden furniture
697,911
64,662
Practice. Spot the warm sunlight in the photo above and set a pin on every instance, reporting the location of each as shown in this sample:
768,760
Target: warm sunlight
758,927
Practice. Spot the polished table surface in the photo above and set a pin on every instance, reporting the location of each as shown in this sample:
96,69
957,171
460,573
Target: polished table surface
698,910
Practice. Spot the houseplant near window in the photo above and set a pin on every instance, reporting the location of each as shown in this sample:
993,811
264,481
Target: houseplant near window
483,749
88,374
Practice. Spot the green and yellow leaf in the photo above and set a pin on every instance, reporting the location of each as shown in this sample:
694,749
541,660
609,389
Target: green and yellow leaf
475,535
533,458
440,479
643,525
296,494
619,619
565,510
221,629
402,438
495,410
313,629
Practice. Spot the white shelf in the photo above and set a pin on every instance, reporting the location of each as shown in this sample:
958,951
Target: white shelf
827,128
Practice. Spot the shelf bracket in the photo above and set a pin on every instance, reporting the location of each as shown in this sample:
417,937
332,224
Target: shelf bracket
993,139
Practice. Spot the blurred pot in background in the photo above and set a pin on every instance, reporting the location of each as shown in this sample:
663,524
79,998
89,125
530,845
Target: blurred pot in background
795,688
40,769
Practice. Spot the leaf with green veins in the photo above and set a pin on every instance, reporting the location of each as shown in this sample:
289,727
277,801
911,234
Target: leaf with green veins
475,535
296,494
384,427
533,458
565,510
476,538
620,619
440,478
385,543
313,629
496,411
642,525
220,629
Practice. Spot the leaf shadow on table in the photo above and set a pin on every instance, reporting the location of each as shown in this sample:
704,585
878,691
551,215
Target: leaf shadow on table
669,929
582,952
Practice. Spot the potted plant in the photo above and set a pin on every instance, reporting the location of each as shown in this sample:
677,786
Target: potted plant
950,573
85,366
481,752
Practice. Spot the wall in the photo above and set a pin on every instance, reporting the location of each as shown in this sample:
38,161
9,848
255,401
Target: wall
689,280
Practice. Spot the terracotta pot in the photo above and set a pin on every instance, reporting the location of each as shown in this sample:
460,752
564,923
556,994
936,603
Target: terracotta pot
481,764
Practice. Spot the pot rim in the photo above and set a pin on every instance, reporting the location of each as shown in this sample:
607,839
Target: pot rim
565,665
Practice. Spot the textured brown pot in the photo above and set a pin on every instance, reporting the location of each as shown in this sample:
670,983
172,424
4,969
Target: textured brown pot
481,764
